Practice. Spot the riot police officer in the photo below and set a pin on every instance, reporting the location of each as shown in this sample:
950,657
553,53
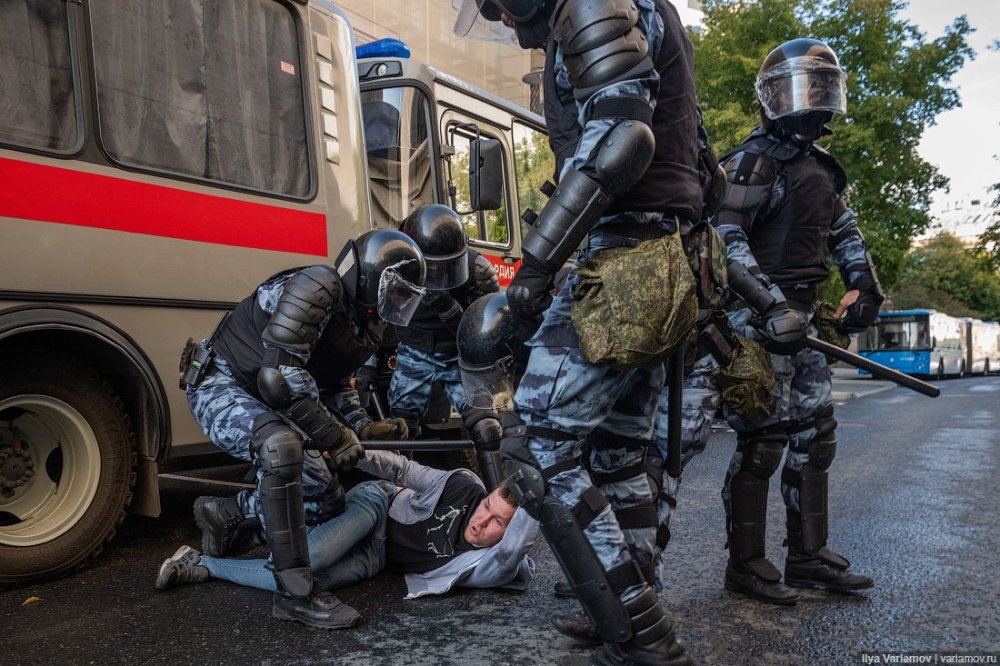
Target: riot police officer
492,357
623,123
784,217
268,384
427,349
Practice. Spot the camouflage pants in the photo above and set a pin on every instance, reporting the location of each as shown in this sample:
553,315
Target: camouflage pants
561,391
412,381
700,400
802,389
226,412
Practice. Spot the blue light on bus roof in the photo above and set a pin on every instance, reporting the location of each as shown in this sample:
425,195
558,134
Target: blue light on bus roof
382,48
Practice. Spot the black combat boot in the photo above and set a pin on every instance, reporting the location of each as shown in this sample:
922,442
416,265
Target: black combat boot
578,627
225,531
653,639
317,610
821,569
760,579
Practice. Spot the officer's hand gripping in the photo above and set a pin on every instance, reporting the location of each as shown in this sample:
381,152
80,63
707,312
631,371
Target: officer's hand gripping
860,314
390,428
529,293
346,454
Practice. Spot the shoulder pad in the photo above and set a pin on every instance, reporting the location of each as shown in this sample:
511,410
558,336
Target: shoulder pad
747,167
601,43
830,162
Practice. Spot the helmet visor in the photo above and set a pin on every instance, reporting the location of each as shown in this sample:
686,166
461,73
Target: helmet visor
443,274
398,298
480,19
801,85
490,388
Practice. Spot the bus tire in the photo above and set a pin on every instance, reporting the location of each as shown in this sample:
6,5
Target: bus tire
67,463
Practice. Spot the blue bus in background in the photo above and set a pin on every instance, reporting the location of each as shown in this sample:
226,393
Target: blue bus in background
932,343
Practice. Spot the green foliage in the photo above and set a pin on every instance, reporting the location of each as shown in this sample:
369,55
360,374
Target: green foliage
897,86
989,241
946,276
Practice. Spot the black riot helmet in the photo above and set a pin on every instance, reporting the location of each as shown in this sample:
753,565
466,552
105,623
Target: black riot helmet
438,232
491,353
530,18
490,333
800,86
383,272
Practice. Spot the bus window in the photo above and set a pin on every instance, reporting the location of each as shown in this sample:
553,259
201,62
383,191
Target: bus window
209,89
397,122
38,101
490,226
534,163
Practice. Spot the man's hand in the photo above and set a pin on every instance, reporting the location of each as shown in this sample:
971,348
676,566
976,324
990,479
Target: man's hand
347,454
390,428
784,330
529,293
859,310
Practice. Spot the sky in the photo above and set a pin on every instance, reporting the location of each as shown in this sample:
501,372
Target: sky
965,142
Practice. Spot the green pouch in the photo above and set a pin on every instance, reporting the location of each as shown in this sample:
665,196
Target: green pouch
747,383
634,306
826,327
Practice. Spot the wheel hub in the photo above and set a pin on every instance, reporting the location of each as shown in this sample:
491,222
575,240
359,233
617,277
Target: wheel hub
16,465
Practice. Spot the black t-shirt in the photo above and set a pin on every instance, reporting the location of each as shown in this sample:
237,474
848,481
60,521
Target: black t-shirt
432,542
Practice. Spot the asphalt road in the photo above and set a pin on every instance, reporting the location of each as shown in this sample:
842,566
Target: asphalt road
914,493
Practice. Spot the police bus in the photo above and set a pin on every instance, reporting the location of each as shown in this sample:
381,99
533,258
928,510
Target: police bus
159,160
931,343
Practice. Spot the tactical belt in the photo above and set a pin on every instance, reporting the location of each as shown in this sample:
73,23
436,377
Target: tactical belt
635,230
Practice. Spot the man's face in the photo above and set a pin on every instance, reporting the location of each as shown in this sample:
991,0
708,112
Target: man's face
489,521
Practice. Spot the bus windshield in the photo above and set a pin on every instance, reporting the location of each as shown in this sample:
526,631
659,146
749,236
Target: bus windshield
896,334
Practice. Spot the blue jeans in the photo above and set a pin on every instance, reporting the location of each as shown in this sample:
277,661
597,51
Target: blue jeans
343,550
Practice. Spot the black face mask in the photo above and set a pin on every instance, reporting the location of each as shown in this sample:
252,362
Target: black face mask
534,34
807,126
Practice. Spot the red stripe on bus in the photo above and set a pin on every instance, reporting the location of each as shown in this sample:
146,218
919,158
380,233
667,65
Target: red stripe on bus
52,194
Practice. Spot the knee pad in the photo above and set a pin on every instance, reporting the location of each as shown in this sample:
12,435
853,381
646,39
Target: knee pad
276,447
762,454
822,451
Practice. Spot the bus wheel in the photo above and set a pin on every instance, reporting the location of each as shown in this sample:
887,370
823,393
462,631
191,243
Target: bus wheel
67,465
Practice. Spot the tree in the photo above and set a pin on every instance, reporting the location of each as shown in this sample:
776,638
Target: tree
946,276
897,86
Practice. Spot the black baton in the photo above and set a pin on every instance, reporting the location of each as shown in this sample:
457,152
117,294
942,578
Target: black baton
877,369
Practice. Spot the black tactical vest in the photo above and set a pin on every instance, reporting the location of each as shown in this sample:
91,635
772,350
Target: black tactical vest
790,240
337,354
671,184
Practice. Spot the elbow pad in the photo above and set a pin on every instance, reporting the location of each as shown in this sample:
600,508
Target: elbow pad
273,388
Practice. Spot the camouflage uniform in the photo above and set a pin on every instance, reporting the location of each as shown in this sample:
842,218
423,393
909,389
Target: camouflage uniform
802,391
563,392
414,377
226,413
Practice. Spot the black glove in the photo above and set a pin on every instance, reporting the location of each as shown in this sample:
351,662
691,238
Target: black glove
345,455
784,330
390,428
529,293
861,314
